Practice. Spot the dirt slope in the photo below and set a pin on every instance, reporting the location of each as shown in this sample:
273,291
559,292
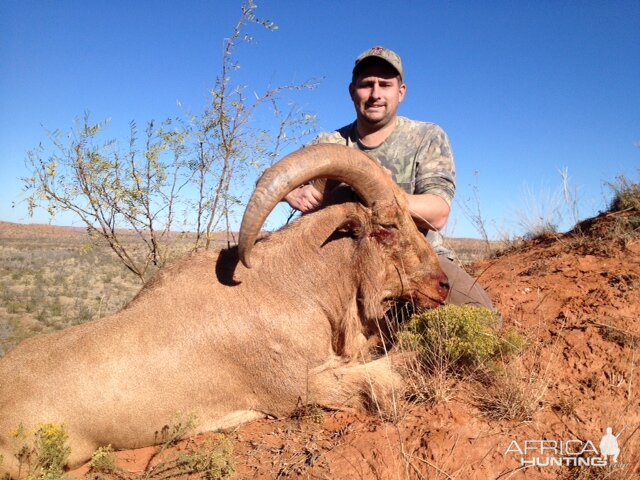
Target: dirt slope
576,299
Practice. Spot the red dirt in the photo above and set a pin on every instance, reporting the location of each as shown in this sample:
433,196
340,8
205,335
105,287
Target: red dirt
576,298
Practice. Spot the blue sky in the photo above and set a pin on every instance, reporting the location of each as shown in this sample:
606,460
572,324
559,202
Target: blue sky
523,88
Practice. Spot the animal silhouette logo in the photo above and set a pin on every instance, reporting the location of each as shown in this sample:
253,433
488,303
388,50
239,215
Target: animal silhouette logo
609,445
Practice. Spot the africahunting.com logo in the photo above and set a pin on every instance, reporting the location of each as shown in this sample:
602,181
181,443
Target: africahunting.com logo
567,453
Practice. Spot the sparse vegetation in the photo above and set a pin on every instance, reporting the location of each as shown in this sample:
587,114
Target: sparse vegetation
590,473
182,426
465,336
453,342
52,451
626,194
44,456
514,393
541,214
471,209
626,203
212,459
616,335
615,229
309,411
50,280
103,461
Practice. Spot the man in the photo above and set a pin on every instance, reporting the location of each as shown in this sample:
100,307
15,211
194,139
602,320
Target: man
416,154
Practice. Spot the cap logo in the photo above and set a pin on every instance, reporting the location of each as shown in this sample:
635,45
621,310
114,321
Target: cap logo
377,50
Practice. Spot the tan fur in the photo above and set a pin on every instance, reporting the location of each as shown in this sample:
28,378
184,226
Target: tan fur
212,338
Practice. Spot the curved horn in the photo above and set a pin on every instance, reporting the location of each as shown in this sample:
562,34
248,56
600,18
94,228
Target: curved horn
337,162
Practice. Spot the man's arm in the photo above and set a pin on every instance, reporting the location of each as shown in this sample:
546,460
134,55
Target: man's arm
430,205
429,211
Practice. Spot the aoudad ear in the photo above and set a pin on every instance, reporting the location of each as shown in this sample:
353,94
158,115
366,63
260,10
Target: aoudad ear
353,225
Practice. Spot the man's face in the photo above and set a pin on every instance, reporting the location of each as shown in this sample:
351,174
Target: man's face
376,93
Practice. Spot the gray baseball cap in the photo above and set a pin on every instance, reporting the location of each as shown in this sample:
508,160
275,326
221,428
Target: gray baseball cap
389,56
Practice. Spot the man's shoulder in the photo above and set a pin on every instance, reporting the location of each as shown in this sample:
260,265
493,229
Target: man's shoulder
342,135
408,124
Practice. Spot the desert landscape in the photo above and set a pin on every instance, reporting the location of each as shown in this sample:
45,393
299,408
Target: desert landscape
540,412
134,342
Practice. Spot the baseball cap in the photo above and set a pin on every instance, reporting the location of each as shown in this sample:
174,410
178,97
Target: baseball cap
389,56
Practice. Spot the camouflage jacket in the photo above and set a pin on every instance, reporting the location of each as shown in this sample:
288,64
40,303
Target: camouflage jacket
419,156
417,153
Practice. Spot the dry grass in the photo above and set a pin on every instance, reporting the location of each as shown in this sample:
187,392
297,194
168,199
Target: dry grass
626,194
469,250
456,347
514,394
44,457
49,283
52,278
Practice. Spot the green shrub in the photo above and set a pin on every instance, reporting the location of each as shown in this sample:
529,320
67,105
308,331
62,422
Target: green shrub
511,343
14,307
55,308
42,316
81,314
212,460
458,337
48,456
182,426
51,450
103,460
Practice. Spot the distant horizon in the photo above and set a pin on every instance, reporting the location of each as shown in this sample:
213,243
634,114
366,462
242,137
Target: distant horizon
81,228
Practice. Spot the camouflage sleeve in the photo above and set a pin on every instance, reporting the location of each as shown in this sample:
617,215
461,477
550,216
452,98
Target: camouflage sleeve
337,136
323,137
435,167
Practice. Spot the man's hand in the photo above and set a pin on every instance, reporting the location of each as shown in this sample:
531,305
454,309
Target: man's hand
305,198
